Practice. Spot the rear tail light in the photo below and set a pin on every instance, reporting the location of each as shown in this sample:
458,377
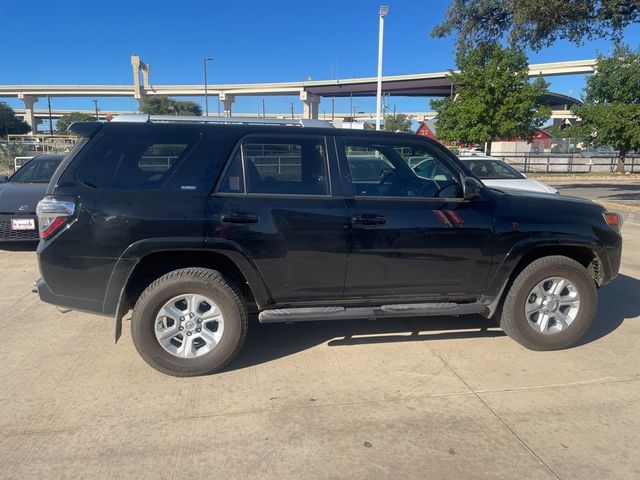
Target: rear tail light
614,220
53,215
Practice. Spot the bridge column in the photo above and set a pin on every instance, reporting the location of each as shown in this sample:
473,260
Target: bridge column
29,113
228,102
311,103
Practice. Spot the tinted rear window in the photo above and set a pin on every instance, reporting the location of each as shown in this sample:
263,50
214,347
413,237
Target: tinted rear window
38,170
134,160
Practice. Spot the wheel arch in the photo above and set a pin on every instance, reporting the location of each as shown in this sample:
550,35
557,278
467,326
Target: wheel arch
585,253
132,275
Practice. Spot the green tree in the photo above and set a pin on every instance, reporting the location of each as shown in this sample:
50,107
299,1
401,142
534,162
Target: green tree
189,108
493,98
163,105
10,123
610,114
8,152
65,121
534,23
566,132
397,122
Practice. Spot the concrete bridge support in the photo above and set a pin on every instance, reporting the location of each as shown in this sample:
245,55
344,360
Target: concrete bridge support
227,100
139,67
29,112
311,103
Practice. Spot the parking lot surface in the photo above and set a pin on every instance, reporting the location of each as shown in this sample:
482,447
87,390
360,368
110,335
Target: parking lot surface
615,193
423,398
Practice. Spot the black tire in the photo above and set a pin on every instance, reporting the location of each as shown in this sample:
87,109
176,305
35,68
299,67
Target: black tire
189,280
513,320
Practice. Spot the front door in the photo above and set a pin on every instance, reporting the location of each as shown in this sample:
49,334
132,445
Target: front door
277,203
413,236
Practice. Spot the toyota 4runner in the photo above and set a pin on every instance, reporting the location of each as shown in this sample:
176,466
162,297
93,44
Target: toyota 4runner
194,222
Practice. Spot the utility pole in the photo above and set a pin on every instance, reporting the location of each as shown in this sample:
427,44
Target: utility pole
95,104
50,120
206,96
333,108
264,115
6,122
291,110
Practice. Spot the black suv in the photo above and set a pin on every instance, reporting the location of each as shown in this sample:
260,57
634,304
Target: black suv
194,223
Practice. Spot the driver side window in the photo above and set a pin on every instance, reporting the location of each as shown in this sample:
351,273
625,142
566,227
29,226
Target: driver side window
381,169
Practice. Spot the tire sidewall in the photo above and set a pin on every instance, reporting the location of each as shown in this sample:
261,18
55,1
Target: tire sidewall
143,327
577,328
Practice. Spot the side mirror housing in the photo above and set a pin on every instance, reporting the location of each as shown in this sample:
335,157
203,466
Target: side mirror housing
472,188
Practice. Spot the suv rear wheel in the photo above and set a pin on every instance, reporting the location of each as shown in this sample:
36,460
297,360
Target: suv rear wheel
189,322
550,305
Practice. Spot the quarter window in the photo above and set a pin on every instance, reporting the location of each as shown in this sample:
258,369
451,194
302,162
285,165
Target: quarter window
134,162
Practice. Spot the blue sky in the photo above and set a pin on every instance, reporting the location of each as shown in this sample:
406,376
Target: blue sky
250,41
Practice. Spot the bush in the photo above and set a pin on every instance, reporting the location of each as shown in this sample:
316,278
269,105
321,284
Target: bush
8,152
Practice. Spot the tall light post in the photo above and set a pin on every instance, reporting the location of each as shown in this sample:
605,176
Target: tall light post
206,96
383,12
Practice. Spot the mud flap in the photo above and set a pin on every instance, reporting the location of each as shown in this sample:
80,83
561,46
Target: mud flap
118,332
123,308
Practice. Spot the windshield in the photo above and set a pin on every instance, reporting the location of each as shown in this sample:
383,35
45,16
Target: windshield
493,170
37,170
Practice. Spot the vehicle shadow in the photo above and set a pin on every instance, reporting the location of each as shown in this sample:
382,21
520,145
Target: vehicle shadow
19,246
267,342
617,302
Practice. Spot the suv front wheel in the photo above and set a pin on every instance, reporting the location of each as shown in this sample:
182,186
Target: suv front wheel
550,304
189,322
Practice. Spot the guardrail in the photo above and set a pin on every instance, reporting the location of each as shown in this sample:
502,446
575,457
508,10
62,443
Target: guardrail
20,161
568,163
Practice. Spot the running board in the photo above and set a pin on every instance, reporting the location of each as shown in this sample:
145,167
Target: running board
385,311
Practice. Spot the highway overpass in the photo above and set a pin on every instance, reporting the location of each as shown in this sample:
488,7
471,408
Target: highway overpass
42,115
309,92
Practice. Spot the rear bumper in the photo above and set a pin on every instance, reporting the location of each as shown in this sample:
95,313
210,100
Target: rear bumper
71,303
9,235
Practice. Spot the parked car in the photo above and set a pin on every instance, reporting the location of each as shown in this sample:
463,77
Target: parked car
499,174
290,223
19,196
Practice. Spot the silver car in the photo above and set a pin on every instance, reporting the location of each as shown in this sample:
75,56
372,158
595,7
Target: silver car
497,173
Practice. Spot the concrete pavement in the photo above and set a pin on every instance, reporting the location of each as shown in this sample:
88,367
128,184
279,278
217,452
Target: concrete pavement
420,398
619,195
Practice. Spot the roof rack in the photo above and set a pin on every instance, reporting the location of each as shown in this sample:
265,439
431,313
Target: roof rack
145,118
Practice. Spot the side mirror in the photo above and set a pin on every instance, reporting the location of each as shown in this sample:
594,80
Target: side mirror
471,188
3,178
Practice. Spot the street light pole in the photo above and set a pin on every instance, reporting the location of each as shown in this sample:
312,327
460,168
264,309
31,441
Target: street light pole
206,96
383,13
50,120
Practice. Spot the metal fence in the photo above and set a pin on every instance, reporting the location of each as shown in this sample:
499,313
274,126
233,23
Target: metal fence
550,163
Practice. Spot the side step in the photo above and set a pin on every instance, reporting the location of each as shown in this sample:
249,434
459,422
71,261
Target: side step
385,311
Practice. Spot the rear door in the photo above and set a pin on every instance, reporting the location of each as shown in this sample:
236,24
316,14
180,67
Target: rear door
279,201
413,236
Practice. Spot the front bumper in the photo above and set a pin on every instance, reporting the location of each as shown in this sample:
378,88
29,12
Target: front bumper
9,235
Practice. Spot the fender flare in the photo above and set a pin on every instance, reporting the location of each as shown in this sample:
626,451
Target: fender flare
519,250
115,301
